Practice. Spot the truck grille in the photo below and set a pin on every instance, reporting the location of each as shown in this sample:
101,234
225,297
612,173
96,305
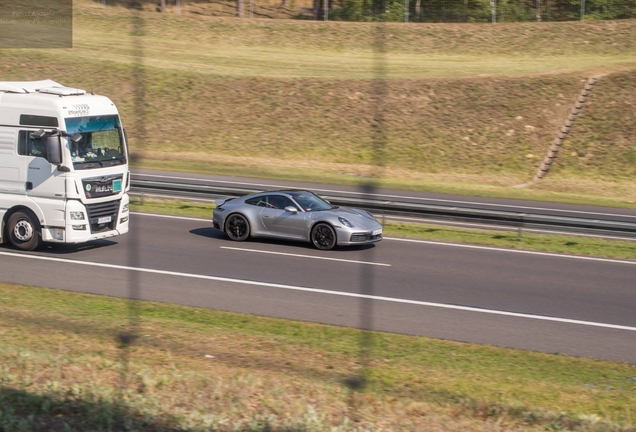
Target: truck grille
103,211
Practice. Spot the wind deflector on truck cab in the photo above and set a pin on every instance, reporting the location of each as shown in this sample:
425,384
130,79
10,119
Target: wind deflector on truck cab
26,86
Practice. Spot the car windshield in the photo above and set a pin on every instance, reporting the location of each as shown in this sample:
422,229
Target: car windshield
310,201
101,143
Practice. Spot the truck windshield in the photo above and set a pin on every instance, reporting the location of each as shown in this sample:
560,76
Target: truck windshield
101,144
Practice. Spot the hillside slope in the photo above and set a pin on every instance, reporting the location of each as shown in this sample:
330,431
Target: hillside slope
475,104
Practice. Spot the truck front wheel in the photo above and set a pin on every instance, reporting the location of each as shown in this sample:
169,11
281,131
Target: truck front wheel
24,231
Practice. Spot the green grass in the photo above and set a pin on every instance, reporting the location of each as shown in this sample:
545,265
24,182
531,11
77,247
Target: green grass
59,364
566,244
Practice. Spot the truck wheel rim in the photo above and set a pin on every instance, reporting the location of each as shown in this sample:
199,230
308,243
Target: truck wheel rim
23,231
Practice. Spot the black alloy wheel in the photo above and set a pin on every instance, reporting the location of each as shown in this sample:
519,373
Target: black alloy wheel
24,231
323,236
237,228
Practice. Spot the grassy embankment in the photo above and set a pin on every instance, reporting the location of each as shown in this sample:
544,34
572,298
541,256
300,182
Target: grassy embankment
194,369
470,108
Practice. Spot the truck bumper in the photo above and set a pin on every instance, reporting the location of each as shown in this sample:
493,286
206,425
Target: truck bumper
89,229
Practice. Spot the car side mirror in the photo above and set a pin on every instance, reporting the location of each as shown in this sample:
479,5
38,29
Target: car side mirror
291,209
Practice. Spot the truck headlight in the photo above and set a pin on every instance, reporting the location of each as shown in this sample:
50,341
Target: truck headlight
124,209
77,215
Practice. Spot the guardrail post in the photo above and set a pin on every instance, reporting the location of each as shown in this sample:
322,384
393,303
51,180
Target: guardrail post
520,227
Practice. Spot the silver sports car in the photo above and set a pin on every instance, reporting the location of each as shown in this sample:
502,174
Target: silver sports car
295,215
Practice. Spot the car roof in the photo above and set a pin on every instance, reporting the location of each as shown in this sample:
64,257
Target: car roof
287,191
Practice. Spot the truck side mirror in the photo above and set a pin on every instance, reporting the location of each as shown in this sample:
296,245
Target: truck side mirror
54,150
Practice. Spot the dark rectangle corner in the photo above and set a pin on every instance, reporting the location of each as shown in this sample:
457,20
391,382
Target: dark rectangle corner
36,24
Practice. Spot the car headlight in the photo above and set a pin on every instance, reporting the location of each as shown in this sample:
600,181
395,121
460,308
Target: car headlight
345,222
77,215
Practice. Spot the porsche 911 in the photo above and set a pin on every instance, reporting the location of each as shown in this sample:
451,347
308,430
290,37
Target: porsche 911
295,215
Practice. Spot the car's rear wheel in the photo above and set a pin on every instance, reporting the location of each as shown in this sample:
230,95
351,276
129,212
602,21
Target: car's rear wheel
24,231
237,227
323,236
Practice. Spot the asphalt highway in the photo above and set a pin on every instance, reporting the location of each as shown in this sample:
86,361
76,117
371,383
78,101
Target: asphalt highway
537,301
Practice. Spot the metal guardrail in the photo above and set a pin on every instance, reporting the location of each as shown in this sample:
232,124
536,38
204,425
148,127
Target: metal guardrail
500,218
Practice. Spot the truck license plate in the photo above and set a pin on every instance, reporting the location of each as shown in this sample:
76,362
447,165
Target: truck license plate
104,219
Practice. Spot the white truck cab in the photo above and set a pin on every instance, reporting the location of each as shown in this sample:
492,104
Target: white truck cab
64,174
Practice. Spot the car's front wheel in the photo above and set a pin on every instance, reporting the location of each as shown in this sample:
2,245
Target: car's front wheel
237,227
323,236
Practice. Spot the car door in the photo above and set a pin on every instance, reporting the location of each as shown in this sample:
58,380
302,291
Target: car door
281,223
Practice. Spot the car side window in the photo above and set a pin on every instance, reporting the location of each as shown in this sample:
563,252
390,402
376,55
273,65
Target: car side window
260,201
253,201
28,146
271,201
278,202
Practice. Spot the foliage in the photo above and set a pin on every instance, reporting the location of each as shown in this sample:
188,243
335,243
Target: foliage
475,11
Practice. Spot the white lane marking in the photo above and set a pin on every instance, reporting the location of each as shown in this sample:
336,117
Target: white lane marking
322,291
454,245
305,256
512,250
392,196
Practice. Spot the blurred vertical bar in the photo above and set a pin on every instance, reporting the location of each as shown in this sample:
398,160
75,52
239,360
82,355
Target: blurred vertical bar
129,334
368,189
582,10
